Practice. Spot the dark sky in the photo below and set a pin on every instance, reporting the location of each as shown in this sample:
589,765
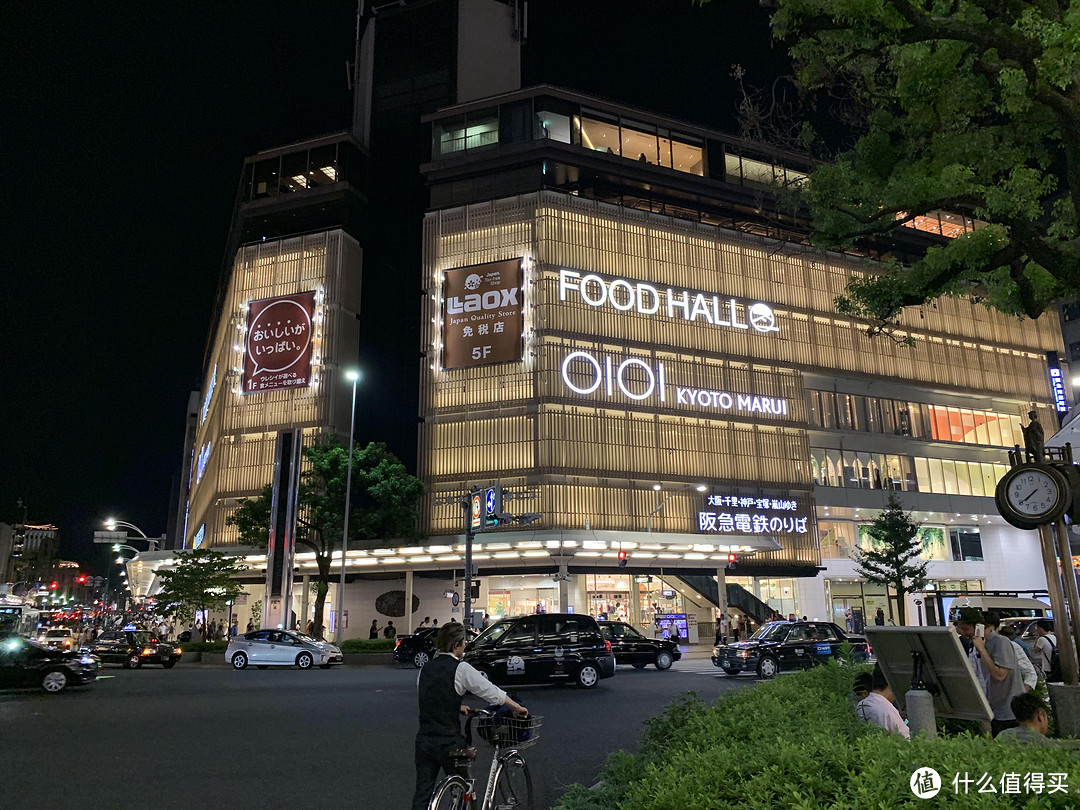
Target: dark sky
123,128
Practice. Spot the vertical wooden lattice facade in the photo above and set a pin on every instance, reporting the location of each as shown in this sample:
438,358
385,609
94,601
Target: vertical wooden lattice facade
596,457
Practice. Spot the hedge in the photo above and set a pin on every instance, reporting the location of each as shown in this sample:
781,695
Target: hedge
367,645
795,742
203,646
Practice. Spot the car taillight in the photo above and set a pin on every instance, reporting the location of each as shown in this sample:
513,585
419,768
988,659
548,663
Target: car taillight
147,651
607,645
397,643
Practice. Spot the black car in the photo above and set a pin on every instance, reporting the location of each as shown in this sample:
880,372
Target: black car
631,647
782,646
541,648
418,648
133,648
25,663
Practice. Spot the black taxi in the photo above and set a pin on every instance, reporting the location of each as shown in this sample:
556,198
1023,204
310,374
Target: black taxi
133,648
783,646
631,647
542,648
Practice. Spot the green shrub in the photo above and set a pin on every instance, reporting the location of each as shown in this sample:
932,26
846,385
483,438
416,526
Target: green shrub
795,742
203,646
367,645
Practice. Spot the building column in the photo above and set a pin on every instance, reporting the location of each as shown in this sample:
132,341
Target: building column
408,601
635,603
564,587
721,589
305,594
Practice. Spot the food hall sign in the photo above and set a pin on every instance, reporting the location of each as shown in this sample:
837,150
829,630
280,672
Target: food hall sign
645,299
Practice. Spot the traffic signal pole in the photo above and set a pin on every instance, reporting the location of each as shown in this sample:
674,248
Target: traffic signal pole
466,506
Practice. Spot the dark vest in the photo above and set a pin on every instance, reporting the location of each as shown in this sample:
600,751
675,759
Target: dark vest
440,704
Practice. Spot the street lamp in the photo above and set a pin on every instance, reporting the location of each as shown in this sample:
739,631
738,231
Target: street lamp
353,377
111,524
659,506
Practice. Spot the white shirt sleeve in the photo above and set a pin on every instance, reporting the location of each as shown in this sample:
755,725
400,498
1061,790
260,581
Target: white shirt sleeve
1027,669
877,710
468,679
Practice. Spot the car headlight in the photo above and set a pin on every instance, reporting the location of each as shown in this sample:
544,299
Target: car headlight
745,653
148,651
179,651
86,659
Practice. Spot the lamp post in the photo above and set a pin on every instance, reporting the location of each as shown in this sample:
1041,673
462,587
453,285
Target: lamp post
659,506
354,377
112,523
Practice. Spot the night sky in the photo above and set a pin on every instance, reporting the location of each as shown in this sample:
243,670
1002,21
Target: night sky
123,130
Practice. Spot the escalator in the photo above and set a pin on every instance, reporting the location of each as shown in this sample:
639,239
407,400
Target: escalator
737,596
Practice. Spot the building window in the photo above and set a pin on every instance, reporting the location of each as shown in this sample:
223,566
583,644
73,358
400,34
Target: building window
837,540
966,543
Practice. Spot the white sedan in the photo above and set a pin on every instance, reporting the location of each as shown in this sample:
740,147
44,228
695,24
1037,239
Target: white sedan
281,648
58,638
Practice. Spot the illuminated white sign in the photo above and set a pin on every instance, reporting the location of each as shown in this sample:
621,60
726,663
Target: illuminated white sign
209,394
200,465
637,380
645,299
199,535
759,516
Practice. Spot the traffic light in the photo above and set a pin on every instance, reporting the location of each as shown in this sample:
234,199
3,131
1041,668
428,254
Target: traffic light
622,559
732,561
80,579
54,585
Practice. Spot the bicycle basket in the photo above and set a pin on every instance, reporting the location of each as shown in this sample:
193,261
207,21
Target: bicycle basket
509,732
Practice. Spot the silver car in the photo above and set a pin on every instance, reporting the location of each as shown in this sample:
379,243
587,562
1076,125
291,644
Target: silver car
281,648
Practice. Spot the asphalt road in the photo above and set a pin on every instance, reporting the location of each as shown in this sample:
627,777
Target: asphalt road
202,736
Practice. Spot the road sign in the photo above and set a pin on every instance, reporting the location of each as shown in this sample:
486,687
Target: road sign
474,513
110,537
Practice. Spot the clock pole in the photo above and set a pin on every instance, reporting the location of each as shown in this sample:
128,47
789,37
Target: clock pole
1057,597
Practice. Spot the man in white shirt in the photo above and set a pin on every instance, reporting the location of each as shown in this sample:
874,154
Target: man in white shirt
877,707
1045,645
442,683
1028,674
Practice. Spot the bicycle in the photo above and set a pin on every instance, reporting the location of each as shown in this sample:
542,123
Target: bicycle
509,786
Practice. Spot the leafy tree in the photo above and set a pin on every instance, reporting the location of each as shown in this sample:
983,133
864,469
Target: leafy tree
383,506
967,106
201,580
893,557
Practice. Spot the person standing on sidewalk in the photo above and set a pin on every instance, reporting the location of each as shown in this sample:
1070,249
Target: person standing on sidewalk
998,657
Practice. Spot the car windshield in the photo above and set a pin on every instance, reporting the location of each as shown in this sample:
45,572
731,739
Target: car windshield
305,637
492,634
770,632
143,638
58,634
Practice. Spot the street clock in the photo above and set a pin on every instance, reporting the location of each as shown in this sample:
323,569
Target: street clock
1032,495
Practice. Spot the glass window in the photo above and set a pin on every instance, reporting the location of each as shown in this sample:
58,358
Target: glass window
599,132
687,156
449,136
937,477
903,420
845,409
639,142
294,176
324,167
265,178
966,543
1016,435
757,172
553,126
836,471
993,430
732,168
982,435
933,543
837,540
967,419
990,478
920,423
963,479
939,423
975,476
524,632
956,426
948,472
481,129
828,409
515,122
665,148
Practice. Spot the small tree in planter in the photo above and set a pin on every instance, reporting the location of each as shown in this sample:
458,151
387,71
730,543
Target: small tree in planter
202,580
893,558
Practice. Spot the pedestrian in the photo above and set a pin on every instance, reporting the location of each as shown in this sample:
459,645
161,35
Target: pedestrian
250,626
877,707
373,631
310,626
849,622
234,629
485,622
1028,676
879,618
443,682
434,622
1032,720
965,623
1045,647
389,631
425,623
998,657
719,635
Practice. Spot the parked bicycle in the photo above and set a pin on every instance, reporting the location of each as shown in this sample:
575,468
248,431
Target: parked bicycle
509,786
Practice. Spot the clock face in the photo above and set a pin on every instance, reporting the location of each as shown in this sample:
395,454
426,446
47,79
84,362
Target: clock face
1033,493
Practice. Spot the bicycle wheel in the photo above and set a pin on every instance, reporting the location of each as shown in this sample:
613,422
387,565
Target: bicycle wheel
449,795
513,785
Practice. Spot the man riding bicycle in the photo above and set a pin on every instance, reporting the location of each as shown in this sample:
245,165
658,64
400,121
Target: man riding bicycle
442,683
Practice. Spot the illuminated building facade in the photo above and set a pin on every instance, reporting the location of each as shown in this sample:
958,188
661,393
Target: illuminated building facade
673,338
